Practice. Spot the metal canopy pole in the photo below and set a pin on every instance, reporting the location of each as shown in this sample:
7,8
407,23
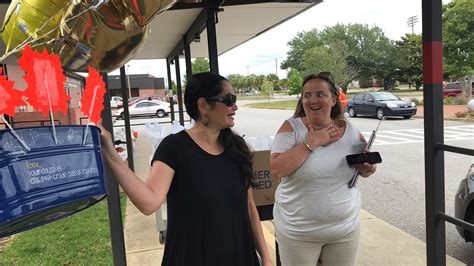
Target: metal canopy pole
170,88
212,40
113,196
126,118
180,91
196,28
434,135
187,57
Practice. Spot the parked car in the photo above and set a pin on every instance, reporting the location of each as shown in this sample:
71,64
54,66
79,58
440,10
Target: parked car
131,101
464,204
147,98
380,104
115,101
454,89
146,108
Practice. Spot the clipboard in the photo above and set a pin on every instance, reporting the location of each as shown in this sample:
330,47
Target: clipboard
354,178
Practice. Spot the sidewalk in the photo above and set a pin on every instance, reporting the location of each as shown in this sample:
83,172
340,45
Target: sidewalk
449,112
380,242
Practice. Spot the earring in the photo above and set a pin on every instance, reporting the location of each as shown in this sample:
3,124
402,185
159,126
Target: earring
204,120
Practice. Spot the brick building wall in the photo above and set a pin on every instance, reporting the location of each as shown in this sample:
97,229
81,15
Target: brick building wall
152,92
26,116
34,119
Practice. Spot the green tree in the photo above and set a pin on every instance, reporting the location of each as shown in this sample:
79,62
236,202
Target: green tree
298,46
273,78
458,42
322,58
237,81
174,88
199,65
283,83
259,80
349,52
409,60
369,52
267,88
295,82
251,81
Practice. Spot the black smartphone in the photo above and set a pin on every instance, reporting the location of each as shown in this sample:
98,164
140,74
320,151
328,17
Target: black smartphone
361,158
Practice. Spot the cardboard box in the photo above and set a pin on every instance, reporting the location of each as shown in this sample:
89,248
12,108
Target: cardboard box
264,193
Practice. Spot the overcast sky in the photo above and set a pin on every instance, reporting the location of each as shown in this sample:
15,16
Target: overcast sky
261,54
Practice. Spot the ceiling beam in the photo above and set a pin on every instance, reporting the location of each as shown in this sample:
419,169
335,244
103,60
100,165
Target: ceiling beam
196,28
207,4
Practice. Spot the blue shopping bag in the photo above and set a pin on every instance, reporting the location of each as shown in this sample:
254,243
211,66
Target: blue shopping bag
50,181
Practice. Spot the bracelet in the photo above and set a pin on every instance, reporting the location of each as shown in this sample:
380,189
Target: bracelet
308,147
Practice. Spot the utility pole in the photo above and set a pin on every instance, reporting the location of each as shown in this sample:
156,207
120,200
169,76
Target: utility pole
411,23
276,67
247,70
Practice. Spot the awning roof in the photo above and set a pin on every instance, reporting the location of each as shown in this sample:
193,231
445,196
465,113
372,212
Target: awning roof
236,25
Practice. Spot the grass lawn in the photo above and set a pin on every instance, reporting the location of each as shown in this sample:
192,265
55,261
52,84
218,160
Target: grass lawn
291,104
274,105
253,98
81,239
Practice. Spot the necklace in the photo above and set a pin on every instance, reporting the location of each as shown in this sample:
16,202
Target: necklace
307,125
332,124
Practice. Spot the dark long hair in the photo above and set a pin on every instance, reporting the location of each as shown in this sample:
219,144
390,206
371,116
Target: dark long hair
336,110
205,85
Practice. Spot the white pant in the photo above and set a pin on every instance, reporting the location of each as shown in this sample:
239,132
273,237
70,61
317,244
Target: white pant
340,252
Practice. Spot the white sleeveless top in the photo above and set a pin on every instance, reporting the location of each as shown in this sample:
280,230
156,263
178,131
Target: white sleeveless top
315,202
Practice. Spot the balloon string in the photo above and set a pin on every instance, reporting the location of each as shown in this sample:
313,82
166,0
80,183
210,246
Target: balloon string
23,44
91,108
16,135
50,105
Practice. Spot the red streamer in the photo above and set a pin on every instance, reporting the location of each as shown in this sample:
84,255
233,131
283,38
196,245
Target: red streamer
43,73
9,97
93,80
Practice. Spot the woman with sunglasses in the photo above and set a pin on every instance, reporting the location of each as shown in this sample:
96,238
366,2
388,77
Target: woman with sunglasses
205,174
316,214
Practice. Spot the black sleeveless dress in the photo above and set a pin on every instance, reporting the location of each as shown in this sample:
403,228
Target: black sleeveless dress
208,220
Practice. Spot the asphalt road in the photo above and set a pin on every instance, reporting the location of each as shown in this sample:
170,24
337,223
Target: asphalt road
395,193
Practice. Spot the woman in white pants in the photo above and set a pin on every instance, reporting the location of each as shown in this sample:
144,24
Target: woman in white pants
316,214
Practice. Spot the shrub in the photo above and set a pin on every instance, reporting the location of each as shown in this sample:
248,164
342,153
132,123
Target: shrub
467,113
417,101
458,100
461,114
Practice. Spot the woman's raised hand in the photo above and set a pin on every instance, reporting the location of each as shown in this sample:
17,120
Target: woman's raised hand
323,136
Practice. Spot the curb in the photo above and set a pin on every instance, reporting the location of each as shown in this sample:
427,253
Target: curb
466,120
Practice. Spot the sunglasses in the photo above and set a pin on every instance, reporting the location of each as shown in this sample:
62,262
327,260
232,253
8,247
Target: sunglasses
326,75
228,99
